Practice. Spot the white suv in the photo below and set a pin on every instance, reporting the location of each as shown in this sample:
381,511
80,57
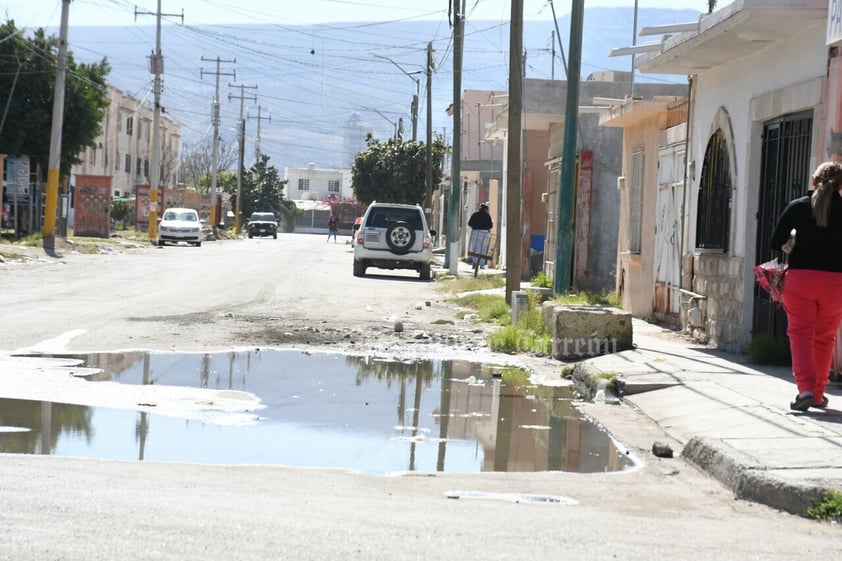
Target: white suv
393,236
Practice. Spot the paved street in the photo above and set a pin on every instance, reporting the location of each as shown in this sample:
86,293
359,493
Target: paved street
299,292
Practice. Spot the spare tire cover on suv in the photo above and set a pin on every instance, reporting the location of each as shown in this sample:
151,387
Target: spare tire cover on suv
400,238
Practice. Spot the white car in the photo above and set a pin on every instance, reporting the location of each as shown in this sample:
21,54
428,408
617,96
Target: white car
393,236
180,225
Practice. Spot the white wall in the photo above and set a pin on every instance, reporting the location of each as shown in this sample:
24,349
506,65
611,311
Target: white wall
740,97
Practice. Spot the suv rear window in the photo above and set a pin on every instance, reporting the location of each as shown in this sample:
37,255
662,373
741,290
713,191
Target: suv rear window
262,217
385,217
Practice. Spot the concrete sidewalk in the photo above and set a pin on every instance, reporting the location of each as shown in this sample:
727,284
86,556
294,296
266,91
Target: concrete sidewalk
733,418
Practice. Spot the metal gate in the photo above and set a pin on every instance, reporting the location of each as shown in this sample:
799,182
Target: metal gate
784,175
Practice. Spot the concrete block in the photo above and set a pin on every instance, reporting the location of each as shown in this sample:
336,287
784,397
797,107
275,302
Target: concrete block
586,331
519,305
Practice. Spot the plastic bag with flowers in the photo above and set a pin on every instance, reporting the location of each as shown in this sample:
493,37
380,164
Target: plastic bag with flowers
770,276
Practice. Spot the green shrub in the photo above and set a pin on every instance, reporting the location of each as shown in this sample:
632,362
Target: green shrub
542,281
828,508
768,349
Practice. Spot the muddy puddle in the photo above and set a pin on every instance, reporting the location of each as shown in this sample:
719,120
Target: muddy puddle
326,410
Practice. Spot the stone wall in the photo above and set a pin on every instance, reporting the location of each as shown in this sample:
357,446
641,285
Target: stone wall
720,279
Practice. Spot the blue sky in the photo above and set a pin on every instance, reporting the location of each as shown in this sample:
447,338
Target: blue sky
47,13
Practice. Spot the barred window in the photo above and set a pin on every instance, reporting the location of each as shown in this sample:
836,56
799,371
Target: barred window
332,185
303,184
713,217
129,125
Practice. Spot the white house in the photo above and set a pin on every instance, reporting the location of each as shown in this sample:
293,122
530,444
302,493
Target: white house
317,184
757,105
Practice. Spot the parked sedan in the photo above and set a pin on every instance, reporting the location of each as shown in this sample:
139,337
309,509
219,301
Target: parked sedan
180,225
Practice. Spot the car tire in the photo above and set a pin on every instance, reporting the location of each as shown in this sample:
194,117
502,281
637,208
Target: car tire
275,236
359,268
198,244
251,235
400,238
160,243
425,271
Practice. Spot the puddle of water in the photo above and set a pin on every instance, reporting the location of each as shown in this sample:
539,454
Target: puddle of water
326,410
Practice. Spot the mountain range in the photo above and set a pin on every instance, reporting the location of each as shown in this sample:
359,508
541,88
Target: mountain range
307,84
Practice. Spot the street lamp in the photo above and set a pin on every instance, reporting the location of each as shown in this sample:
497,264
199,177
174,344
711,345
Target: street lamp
411,74
398,127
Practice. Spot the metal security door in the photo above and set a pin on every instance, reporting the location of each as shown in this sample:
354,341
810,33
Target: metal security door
785,173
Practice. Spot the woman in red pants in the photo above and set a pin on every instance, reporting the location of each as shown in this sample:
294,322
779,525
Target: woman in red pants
812,296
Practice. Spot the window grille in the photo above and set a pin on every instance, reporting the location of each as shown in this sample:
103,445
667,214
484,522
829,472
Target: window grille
713,217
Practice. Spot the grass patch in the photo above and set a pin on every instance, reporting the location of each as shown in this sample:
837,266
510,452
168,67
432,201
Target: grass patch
589,299
767,349
515,376
828,508
586,385
528,335
542,281
489,307
452,285
515,339
33,240
443,322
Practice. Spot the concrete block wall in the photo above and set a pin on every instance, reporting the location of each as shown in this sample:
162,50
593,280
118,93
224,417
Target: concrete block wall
583,331
720,279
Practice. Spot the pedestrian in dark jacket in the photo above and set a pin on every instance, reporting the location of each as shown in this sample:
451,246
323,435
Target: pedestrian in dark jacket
812,295
481,224
332,227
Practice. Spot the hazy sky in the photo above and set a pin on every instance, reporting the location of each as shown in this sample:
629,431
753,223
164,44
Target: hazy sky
47,13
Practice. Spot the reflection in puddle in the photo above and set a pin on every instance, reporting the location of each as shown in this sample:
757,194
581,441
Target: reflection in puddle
326,411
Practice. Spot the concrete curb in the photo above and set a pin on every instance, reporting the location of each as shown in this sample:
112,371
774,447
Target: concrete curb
749,481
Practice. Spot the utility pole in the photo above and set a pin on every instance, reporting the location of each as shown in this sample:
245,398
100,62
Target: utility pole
566,191
454,206
257,139
428,192
414,105
552,55
242,141
216,210
51,203
514,245
156,67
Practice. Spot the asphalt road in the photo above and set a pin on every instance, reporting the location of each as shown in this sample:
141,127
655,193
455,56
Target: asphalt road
299,291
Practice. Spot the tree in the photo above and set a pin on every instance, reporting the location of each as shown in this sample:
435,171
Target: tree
197,162
28,67
121,212
261,189
394,171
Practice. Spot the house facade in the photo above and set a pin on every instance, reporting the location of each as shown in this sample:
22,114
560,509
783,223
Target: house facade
597,207
123,149
317,184
759,102
651,190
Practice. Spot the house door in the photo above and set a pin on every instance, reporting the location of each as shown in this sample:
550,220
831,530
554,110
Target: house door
784,175
668,231
553,182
